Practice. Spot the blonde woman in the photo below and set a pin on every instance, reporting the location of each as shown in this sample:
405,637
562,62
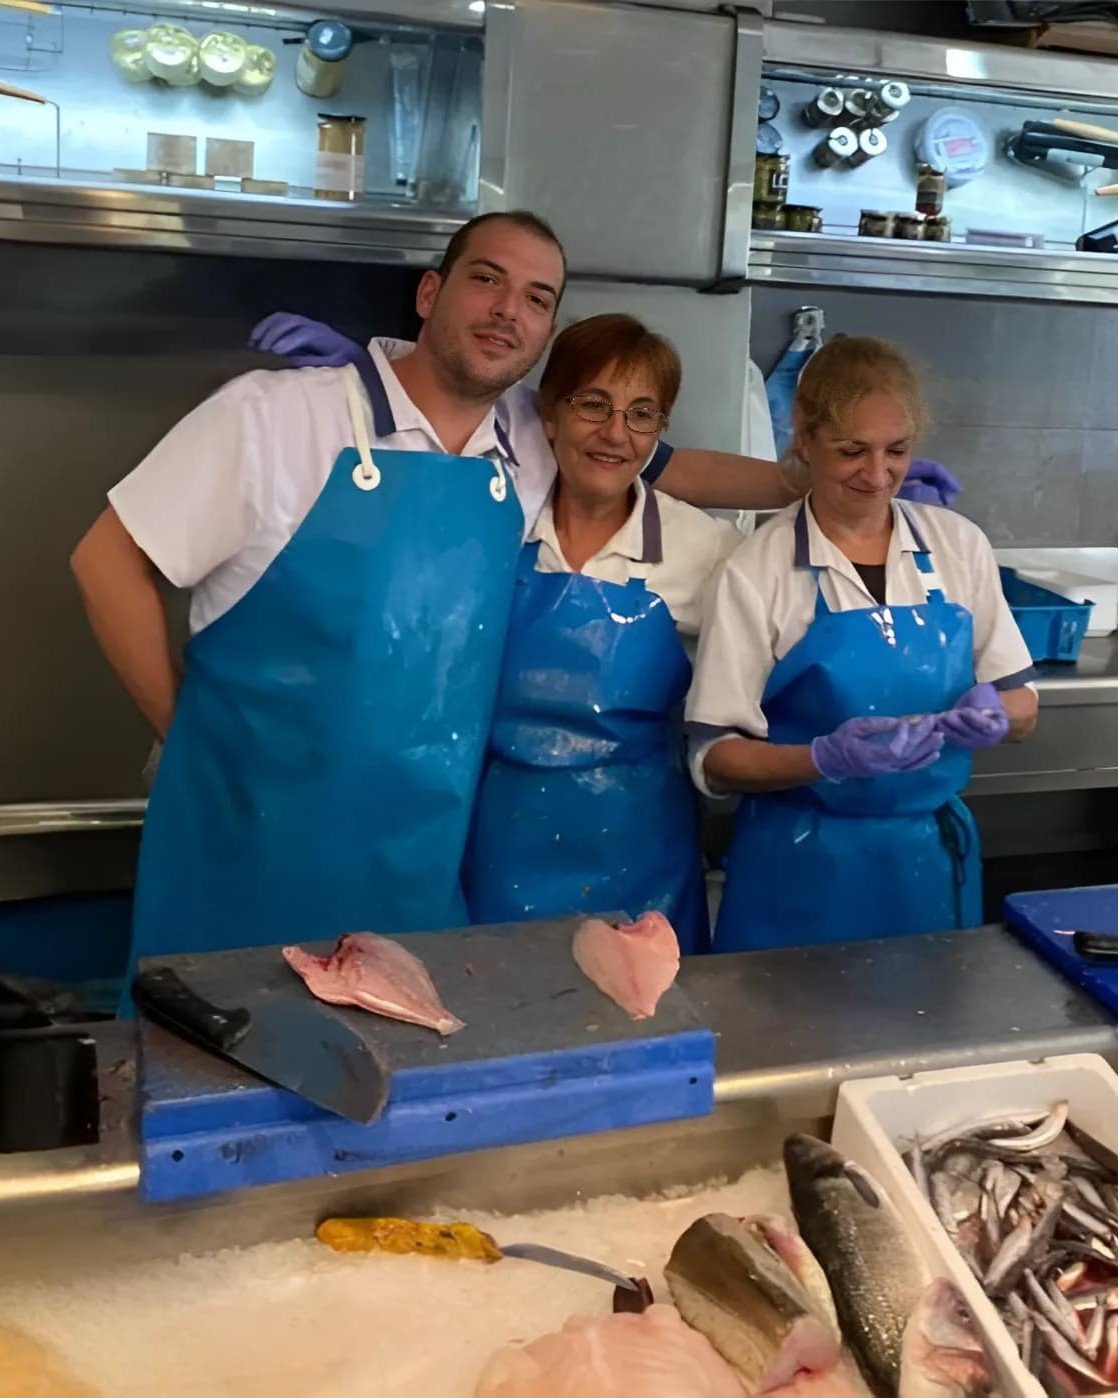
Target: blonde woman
855,653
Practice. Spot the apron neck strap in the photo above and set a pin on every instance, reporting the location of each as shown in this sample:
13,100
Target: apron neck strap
358,421
927,570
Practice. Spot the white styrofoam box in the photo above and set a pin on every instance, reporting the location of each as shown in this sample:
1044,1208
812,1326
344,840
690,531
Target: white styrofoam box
876,1118
1080,574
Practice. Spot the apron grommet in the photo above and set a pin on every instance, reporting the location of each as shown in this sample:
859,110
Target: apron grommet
498,488
363,480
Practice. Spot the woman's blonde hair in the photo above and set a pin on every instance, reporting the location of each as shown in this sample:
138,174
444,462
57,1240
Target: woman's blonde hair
837,377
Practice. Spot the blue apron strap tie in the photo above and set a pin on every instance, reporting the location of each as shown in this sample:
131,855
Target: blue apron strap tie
956,837
927,569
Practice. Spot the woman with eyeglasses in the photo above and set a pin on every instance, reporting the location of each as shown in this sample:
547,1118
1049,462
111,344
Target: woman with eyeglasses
585,805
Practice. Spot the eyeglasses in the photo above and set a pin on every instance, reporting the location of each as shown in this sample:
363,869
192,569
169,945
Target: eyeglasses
591,407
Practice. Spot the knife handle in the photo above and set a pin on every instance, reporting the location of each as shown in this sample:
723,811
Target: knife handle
1097,946
166,998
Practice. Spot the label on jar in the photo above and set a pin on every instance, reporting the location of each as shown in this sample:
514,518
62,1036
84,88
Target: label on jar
340,173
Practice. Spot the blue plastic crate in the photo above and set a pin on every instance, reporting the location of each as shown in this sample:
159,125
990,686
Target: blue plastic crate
1053,626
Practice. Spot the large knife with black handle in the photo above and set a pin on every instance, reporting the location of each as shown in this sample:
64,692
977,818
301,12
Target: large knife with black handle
300,1045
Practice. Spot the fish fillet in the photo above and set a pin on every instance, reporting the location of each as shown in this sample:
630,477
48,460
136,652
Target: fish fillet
781,1236
633,964
842,1381
377,974
651,1355
730,1283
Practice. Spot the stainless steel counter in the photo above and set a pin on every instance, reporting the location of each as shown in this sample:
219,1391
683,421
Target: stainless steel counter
791,1026
1093,679
1075,745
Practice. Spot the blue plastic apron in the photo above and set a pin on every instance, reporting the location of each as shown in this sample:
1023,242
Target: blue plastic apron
584,806
320,771
868,857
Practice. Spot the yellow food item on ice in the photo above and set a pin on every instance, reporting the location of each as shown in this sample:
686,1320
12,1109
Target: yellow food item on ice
405,1235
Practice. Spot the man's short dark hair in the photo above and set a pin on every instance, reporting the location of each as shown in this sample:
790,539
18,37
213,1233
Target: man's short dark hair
523,219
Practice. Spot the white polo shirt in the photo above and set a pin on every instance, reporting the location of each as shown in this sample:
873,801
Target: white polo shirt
674,547
220,496
764,602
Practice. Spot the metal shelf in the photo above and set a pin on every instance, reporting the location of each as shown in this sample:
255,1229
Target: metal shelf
43,211
812,259
68,817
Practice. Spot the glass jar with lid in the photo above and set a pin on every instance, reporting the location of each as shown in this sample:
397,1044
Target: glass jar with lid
321,61
171,53
259,70
221,58
128,54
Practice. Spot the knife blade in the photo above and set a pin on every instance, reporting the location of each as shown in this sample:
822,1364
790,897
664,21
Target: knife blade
298,1045
553,1257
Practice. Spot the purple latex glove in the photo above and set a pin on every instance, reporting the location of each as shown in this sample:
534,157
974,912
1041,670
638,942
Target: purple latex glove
304,343
929,483
977,720
876,747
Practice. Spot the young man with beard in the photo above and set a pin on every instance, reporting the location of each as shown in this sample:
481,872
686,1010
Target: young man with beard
350,540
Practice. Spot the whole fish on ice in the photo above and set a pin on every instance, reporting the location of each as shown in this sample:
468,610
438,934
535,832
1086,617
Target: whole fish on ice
633,964
730,1283
650,1355
877,1277
942,1355
377,974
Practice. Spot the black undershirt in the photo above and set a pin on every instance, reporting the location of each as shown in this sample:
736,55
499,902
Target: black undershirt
873,575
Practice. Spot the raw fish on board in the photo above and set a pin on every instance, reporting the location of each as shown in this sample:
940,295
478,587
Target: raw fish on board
377,974
633,964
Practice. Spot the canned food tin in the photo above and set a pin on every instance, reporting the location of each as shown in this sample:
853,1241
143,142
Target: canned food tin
871,142
937,229
768,105
769,216
772,179
875,224
826,105
909,226
931,187
803,218
838,145
886,102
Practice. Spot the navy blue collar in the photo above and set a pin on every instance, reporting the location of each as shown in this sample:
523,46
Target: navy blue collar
652,528
801,555
384,424
503,441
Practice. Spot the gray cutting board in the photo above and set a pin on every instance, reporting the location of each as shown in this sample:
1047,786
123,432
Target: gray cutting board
544,1053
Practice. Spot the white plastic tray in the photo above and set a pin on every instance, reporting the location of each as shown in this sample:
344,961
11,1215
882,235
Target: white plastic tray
876,1114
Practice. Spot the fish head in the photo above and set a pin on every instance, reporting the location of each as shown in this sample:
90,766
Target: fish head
809,1161
943,1355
